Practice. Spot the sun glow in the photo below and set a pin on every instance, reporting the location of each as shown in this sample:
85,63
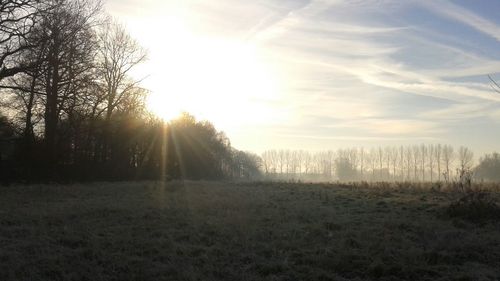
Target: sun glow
222,80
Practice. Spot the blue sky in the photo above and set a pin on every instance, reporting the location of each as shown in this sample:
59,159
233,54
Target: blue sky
326,74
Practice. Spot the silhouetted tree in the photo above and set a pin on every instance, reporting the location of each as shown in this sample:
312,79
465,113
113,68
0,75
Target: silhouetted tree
18,21
194,149
7,132
68,63
246,165
118,54
489,167
66,84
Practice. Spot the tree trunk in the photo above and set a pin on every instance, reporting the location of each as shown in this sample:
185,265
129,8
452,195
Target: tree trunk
51,112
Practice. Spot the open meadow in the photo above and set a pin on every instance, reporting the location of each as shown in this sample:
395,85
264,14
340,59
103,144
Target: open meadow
240,231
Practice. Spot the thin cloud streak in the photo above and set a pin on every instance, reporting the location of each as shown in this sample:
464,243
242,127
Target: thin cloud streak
457,13
357,138
372,67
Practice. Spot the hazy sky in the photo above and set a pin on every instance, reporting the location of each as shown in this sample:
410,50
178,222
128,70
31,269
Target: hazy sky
325,74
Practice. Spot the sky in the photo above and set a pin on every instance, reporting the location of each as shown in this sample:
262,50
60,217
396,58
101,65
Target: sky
324,74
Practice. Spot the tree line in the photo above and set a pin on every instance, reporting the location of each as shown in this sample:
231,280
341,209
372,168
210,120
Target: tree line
425,162
72,111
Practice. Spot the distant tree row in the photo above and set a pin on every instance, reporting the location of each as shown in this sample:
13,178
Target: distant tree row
72,111
433,162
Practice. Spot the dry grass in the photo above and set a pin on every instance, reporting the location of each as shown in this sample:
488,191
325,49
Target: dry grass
245,231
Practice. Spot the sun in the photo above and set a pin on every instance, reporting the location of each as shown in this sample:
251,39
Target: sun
164,106
226,81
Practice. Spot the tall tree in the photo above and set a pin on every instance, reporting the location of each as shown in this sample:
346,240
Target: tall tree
438,154
448,157
68,63
465,157
431,151
18,19
118,54
416,158
423,155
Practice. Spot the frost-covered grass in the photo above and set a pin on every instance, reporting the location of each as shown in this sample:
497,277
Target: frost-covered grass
240,231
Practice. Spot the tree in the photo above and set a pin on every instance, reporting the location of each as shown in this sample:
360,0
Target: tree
266,161
401,163
195,150
465,157
18,19
380,158
68,62
7,129
423,154
438,153
416,157
246,165
372,161
307,162
408,157
394,157
431,153
345,170
118,54
26,91
448,157
489,167
361,163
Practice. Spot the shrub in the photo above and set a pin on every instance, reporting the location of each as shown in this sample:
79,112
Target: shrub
474,206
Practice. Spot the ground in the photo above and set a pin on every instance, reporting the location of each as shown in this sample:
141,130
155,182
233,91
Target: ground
239,231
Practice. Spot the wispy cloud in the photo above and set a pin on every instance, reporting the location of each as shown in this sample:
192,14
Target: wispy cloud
463,15
362,70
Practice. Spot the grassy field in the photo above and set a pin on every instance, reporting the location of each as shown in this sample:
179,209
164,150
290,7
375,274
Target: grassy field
239,231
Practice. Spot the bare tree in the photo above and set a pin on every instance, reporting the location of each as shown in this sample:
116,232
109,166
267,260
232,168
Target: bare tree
362,163
465,157
353,156
413,162
403,163
464,171
394,153
372,161
118,55
266,161
300,161
281,160
423,155
380,160
416,158
68,62
18,19
431,153
307,162
438,153
387,159
448,157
